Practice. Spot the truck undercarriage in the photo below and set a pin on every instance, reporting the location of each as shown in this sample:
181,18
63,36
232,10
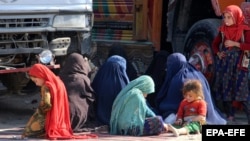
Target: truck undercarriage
41,32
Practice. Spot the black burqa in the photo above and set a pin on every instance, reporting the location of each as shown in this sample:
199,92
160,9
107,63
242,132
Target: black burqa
157,70
81,96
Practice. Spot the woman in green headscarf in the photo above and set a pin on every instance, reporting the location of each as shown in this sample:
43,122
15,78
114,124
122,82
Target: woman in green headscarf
130,114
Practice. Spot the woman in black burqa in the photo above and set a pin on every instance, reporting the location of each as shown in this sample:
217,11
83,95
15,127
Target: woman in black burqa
75,75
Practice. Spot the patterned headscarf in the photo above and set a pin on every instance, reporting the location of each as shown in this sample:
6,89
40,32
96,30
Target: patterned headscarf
129,108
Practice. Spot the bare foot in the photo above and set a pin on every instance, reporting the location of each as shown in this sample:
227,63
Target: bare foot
165,128
173,130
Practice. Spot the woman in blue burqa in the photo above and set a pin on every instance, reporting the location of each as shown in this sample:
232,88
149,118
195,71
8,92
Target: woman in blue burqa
170,94
108,82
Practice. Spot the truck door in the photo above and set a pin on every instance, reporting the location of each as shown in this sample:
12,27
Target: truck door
122,23
120,20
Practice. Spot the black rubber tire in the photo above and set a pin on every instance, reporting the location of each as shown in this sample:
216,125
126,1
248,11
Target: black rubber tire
204,31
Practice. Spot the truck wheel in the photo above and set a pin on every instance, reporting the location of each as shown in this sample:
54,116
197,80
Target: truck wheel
198,43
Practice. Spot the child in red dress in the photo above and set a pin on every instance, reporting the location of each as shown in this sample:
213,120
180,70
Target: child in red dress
192,110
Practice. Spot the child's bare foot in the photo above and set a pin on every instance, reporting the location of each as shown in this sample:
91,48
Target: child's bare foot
173,130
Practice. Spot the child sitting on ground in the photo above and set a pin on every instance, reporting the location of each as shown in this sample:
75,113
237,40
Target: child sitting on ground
192,110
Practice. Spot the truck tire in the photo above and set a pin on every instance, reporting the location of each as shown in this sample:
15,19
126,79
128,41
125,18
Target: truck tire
198,43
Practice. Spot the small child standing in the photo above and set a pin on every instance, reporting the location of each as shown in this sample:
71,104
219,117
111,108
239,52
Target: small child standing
192,111
231,45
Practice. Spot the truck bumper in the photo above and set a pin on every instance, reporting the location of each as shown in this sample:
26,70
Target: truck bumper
5,69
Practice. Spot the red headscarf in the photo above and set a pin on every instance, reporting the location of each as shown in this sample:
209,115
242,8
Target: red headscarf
234,32
57,123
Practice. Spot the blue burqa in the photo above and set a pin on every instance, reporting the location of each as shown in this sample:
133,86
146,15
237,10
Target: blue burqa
108,82
170,94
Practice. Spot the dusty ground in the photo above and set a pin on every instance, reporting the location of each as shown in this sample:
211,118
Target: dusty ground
15,111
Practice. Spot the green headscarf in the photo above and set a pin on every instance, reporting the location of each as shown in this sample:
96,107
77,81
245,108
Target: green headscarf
129,108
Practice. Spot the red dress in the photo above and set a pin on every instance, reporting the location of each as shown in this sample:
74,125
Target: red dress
57,119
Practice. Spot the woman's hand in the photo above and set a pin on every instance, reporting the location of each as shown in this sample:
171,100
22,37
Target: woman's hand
230,43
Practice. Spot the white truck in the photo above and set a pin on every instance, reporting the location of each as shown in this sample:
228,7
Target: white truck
32,30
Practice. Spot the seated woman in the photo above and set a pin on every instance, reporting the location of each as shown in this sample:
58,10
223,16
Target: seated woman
51,119
170,95
108,82
130,113
118,50
75,76
157,71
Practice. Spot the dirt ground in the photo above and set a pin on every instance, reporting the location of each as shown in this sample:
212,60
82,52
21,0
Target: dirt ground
15,111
